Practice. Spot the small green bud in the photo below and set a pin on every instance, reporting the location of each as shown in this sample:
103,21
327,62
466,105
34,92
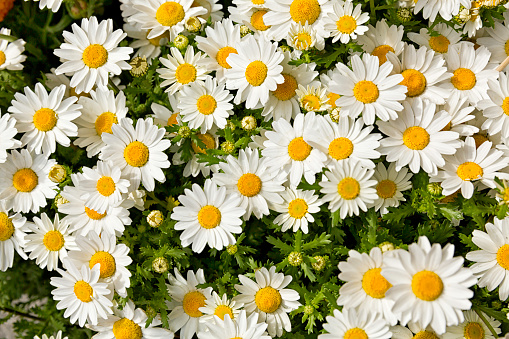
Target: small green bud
155,218
308,309
228,147
160,264
232,249
320,263
248,123
150,312
244,30
193,24
434,189
295,258
184,132
404,14
181,41
285,48
386,246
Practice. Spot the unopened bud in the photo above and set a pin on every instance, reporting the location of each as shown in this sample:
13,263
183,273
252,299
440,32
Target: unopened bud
57,173
155,218
160,264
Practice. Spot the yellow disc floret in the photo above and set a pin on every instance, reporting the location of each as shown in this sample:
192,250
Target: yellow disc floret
506,47
127,329
286,90
468,171
505,105
6,227
222,54
105,186
355,333
223,310
463,79
2,58
340,148
106,261
268,299
366,91
305,10
503,256
185,73
298,149
297,208
136,154
104,122
374,284
257,20
53,240
249,185
170,13
416,138
83,291
209,217
386,189
206,104
381,53
473,330
349,188
425,335
192,302
439,44
45,119
346,24
310,102
207,139
25,180
414,81
302,41
256,72
95,56
93,214
427,285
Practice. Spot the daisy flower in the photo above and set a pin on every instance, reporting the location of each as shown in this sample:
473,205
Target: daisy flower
433,289
54,5
365,287
416,138
112,257
254,71
368,89
438,43
496,39
491,261
81,295
249,179
138,152
219,307
349,324
103,186
90,53
243,327
269,298
129,323
161,16
345,22
285,149
381,39
296,209
213,9
26,185
148,48
348,186
10,52
313,98
208,217
49,241
345,140
99,113
7,131
459,110
304,37
12,237
430,8
390,185
334,110
164,116
469,164
469,15
496,108
414,330
45,119
187,299
205,106
473,327
182,71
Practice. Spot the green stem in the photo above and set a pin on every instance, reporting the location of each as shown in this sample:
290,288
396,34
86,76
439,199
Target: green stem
115,88
373,10
486,322
19,313
157,200
9,38
298,240
63,23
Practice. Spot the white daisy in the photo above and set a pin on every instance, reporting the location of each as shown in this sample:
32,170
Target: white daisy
220,307
429,285
430,8
253,19
416,137
144,47
167,117
368,89
45,119
285,149
496,107
304,37
473,327
12,237
10,52
345,22
472,22
254,71
25,185
208,217
214,10
414,329
313,98
469,164
138,152
438,43
7,133
90,53
334,110
186,301
381,39
112,257
49,241
248,177
349,324
296,209
54,5
459,110
496,40
348,186
182,71
81,295
243,327
269,298
390,185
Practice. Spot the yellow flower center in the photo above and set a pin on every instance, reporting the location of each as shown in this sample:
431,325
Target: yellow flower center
427,285
340,148
2,58
206,104
365,91
297,208
6,227
468,171
258,2
286,90
503,256
256,72
157,40
302,41
332,99
185,73
104,122
506,47
222,54
207,139
106,261
298,149
381,53
45,119
105,186
414,81
223,310
311,102
473,330
374,284
349,188
463,79
53,240
192,302
95,56
209,217
505,106
346,24
257,20
25,180
127,329
249,185
93,214
386,189
172,120
416,138
268,299
136,154
479,139
170,13
83,291
439,44
305,10
355,333
425,335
